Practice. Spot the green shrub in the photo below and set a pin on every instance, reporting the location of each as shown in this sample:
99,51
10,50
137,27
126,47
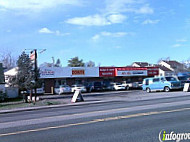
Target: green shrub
3,96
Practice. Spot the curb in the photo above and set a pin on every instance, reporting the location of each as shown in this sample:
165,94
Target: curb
85,95
49,107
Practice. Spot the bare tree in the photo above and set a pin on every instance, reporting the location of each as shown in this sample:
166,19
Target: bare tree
163,59
45,64
8,60
186,64
90,64
58,63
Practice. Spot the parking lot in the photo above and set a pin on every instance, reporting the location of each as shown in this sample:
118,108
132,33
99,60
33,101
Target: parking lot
126,95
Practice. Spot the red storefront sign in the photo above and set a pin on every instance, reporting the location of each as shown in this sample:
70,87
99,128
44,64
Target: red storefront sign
152,71
78,72
107,71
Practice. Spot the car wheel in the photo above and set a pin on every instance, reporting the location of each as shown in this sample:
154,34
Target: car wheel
166,89
148,90
127,87
90,90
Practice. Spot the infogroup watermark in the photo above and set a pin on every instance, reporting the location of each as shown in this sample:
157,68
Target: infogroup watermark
172,136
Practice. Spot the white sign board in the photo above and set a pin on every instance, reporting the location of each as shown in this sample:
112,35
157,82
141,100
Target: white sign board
132,73
76,95
186,87
68,72
54,72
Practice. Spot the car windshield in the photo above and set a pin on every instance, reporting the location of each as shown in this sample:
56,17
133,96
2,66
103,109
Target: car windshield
79,85
171,79
183,78
64,86
118,83
97,83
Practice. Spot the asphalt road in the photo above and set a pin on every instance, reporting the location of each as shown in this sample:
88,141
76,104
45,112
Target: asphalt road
115,120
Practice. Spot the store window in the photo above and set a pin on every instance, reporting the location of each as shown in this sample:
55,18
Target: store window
80,81
59,82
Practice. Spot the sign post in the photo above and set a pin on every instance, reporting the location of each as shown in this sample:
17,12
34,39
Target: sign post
33,57
186,87
77,97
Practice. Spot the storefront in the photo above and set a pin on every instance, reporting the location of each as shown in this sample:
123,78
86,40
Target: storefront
55,76
130,74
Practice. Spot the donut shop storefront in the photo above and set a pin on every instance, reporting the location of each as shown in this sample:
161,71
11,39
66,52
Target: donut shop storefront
53,77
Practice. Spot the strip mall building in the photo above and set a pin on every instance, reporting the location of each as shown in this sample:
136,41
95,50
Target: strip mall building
55,76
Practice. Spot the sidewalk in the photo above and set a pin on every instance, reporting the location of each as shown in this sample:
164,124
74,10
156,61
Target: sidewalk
84,94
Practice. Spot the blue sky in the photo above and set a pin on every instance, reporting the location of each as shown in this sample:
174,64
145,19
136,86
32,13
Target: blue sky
108,32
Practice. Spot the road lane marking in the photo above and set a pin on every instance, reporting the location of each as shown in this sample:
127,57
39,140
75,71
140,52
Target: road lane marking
96,121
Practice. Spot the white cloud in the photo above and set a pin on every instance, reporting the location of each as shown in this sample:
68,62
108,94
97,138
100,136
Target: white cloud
113,13
118,6
116,18
180,43
95,37
181,40
145,10
36,4
117,47
109,34
97,20
187,21
45,31
122,6
177,45
148,21
48,31
117,34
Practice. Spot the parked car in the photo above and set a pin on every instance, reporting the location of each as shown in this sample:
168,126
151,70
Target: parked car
184,79
94,86
132,85
64,89
161,84
135,85
80,87
39,90
56,90
98,86
140,85
107,85
117,86
89,86
127,85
